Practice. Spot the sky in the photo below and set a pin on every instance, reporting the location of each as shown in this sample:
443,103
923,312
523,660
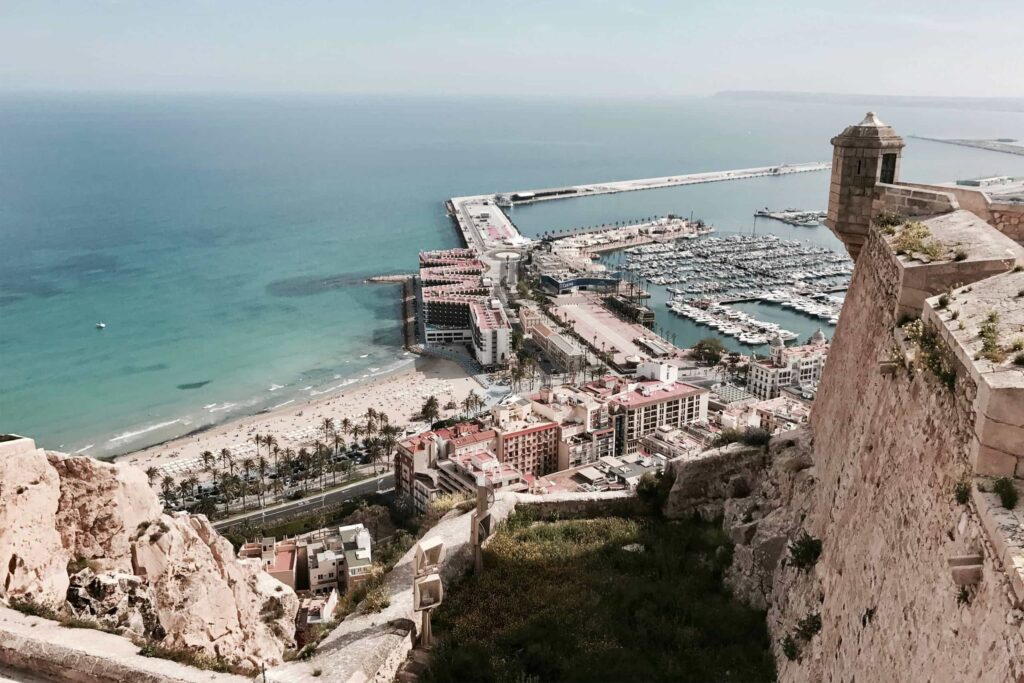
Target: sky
595,48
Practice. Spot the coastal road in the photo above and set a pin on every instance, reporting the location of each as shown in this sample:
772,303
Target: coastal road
283,511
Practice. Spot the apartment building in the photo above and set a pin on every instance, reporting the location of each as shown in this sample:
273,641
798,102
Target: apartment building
798,366
457,305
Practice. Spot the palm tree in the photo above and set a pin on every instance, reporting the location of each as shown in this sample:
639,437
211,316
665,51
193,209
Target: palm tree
374,450
261,473
319,449
389,440
208,460
371,421
270,441
227,460
247,464
431,409
192,483
338,442
167,487
258,440
346,425
151,474
306,460
227,488
327,427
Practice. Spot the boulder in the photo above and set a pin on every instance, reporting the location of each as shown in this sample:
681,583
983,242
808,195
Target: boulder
209,601
101,506
136,570
33,561
118,601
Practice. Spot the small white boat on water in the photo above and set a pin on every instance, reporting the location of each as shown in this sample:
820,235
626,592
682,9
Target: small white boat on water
101,326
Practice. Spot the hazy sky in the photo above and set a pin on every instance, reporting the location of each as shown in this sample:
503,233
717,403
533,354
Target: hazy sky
580,47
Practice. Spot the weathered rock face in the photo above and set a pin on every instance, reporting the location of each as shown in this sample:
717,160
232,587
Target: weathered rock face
171,579
205,598
33,561
119,601
100,507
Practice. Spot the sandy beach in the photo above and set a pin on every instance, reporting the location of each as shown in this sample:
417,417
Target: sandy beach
400,395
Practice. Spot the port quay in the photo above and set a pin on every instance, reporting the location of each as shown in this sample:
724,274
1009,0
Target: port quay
484,225
594,308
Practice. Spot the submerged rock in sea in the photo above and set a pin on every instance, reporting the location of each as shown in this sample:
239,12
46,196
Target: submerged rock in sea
171,579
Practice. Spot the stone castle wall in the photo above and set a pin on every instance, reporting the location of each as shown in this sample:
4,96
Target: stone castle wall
888,447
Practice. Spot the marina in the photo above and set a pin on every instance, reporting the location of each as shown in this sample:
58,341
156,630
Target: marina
807,219
703,277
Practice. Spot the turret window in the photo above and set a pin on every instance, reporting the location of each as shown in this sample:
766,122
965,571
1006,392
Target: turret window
888,174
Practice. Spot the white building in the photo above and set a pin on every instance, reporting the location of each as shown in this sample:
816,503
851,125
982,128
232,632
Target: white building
798,366
492,334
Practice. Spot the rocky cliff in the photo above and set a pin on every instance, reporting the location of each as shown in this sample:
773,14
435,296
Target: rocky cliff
89,540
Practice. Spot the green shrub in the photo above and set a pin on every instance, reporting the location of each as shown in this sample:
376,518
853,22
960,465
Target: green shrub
916,239
790,648
377,598
963,596
962,492
887,220
585,608
944,301
809,626
804,551
1007,492
989,333
199,660
932,353
960,254
751,436
1019,359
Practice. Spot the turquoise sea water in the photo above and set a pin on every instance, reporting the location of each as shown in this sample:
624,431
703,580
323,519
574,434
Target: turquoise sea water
224,240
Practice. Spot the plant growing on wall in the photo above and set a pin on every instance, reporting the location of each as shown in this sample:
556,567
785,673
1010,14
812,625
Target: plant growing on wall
962,492
931,353
804,551
1007,492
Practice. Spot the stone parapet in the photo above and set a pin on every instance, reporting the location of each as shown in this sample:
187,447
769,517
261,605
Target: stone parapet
911,201
54,652
998,444
984,253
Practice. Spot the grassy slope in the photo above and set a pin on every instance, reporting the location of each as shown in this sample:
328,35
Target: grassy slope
564,601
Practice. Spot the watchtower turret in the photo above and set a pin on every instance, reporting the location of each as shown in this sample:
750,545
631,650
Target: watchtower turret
863,155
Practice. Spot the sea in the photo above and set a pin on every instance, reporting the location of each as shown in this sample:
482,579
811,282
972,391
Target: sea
225,240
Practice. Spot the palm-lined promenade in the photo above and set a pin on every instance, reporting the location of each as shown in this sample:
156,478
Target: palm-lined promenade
299,449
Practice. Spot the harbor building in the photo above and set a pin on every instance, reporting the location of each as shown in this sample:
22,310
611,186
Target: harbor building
457,306
798,366
563,351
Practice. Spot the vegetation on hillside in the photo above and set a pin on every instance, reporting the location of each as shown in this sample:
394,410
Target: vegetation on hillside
606,599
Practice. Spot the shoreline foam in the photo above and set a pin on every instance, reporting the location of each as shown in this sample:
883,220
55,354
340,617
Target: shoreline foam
399,392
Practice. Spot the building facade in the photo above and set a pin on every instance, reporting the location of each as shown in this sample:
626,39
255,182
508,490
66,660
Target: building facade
788,367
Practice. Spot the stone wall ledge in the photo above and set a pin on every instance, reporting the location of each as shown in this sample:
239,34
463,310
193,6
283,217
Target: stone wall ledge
49,650
1005,530
998,444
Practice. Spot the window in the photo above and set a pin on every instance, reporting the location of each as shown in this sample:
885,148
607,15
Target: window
888,174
